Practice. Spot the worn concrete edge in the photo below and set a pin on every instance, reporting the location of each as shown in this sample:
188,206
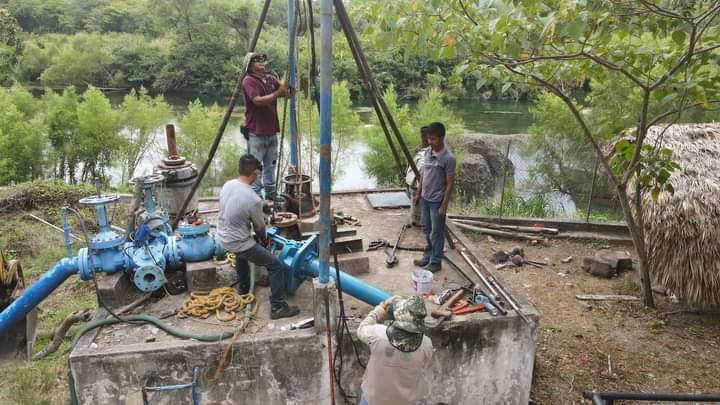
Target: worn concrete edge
82,351
126,196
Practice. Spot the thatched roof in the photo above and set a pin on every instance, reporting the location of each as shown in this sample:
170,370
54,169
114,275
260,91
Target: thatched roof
682,231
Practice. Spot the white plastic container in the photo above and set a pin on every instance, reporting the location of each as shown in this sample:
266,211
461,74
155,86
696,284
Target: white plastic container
422,282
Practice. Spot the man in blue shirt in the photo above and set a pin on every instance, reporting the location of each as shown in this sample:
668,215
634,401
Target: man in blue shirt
434,191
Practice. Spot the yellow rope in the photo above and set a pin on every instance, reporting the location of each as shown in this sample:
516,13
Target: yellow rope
224,302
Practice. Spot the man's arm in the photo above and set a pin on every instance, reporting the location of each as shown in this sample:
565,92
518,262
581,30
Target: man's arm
376,316
258,221
266,101
449,187
418,193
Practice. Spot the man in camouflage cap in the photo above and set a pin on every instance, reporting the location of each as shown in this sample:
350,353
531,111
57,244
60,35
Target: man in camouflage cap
399,352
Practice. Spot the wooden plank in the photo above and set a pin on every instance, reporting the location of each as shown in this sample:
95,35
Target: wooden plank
606,297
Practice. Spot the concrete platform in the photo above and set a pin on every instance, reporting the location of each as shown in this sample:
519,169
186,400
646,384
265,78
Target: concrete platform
479,359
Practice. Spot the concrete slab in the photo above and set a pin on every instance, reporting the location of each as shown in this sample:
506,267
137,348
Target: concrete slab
478,358
201,276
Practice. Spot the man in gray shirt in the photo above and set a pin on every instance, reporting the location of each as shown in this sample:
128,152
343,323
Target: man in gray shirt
434,191
241,214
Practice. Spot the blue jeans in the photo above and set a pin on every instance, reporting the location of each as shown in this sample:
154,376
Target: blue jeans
262,257
363,401
265,149
434,229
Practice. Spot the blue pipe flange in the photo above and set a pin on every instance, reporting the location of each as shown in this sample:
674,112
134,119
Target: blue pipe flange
149,278
172,253
84,269
99,199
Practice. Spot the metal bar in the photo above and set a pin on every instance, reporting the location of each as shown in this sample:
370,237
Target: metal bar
502,190
478,273
292,73
193,386
372,94
650,396
223,125
258,28
371,84
592,190
325,138
55,227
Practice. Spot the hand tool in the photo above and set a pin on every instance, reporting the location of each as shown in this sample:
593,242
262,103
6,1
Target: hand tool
444,312
392,259
466,307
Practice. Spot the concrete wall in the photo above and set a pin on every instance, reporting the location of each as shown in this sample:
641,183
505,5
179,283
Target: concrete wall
482,361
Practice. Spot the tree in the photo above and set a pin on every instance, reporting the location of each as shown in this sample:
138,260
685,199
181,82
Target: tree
61,121
98,138
662,54
21,137
9,28
141,115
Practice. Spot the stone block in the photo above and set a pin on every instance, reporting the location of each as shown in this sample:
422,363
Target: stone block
347,245
117,289
354,263
598,267
619,260
324,296
201,275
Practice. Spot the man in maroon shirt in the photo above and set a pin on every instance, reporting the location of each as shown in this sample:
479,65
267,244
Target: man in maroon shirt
261,91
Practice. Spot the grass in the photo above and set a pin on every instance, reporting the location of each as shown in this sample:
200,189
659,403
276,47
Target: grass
513,205
625,285
38,247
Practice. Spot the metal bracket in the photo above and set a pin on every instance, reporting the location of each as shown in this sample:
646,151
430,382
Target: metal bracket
193,388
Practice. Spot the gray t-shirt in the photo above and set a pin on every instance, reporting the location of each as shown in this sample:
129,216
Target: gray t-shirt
436,169
240,213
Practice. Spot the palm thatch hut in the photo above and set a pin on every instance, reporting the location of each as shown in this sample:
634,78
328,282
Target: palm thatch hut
682,230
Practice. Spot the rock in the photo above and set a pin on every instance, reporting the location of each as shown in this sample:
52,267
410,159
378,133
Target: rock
621,261
518,251
598,267
567,259
500,256
517,260
481,171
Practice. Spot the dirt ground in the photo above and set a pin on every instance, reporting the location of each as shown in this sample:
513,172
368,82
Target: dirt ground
608,346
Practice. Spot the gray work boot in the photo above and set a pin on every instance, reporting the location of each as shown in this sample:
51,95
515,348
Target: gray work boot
285,311
432,267
421,262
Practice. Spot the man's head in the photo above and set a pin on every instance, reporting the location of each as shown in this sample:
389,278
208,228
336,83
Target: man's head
249,168
424,136
436,135
406,331
254,64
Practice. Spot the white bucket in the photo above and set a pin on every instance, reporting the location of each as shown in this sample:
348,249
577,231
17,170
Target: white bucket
422,282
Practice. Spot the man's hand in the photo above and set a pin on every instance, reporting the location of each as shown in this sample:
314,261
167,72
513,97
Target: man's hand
282,90
442,210
416,199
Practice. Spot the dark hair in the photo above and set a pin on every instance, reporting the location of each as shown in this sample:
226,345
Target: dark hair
436,128
248,164
424,130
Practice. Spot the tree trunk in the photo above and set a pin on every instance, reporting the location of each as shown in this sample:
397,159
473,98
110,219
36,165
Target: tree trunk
639,243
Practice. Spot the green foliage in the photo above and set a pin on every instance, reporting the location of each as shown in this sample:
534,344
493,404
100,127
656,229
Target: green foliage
79,62
197,129
98,134
513,205
9,28
653,170
141,115
21,137
379,160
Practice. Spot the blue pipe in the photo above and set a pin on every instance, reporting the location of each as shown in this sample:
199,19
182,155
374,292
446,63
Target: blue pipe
325,138
351,285
40,290
292,73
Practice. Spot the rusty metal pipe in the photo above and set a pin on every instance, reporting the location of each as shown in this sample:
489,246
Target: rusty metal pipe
171,140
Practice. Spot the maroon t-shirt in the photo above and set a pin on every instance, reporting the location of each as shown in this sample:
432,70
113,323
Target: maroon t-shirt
260,120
